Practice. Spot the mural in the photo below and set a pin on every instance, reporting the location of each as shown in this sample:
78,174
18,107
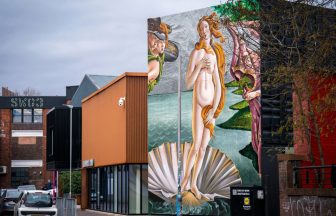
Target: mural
216,52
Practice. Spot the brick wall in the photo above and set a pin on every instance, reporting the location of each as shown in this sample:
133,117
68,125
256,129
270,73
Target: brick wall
27,151
10,149
5,147
35,177
6,92
302,201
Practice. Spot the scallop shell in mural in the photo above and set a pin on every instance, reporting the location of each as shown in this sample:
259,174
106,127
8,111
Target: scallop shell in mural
217,174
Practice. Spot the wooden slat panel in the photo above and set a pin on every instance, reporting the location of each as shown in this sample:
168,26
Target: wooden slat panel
136,120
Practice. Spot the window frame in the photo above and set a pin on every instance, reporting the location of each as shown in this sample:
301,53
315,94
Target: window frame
22,116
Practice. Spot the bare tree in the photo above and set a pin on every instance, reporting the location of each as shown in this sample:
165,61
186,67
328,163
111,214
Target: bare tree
300,39
29,91
297,49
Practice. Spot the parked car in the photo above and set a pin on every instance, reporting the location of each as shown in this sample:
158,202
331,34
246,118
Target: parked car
2,198
26,187
35,202
11,197
51,189
2,192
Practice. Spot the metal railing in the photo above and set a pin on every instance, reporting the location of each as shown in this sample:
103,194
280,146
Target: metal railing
66,206
314,176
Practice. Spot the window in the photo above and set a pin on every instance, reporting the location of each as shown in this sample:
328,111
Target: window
115,204
119,189
37,116
144,188
93,188
27,115
17,115
134,189
19,176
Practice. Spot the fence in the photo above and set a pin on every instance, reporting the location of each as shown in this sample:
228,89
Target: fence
66,206
315,176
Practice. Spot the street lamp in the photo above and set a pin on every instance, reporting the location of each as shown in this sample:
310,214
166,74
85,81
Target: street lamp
178,201
70,107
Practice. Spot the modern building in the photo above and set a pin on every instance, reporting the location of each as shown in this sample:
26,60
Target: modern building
59,125
58,138
114,147
23,138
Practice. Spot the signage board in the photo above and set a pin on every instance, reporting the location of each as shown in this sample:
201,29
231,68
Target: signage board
31,102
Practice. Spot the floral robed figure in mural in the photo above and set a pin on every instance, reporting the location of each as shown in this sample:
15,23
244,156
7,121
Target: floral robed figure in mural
206,71
245,65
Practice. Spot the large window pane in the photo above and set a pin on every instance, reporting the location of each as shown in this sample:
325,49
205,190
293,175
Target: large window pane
27,116
105,188
19,176
119,188
101,188
98,188
125,189
110,188
95,189
17,115
144,189
37,115
115,188
134,189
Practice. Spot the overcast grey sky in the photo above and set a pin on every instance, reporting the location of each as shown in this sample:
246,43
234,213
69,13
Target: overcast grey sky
48,45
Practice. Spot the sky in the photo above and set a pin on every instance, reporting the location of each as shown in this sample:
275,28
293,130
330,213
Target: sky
48,45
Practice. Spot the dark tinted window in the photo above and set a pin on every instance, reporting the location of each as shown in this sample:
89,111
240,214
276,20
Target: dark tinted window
13,194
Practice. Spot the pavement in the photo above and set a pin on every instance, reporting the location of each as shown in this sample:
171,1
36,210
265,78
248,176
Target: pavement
88,212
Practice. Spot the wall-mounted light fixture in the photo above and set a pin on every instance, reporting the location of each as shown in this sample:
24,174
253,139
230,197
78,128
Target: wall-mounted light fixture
121,101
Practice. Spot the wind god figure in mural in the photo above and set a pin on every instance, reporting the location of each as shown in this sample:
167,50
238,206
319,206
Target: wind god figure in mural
160,50
156,47
206,72
245,64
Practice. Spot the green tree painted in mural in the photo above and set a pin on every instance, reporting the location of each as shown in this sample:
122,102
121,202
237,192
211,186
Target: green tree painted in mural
244,10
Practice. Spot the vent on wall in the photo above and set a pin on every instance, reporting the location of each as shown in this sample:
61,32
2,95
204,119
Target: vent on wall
3,169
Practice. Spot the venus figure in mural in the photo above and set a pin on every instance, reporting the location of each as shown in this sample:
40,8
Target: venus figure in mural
206,73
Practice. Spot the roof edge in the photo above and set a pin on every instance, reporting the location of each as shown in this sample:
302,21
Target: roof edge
126,74
93,82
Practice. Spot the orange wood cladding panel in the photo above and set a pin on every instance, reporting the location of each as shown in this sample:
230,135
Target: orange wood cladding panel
136,120
112,134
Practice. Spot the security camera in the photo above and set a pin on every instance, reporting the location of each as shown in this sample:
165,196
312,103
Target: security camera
121,101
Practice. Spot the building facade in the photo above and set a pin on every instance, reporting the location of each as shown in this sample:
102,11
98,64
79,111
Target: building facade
114,147
23,139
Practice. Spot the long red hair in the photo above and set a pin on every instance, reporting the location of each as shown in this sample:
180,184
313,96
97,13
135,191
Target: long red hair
217,49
